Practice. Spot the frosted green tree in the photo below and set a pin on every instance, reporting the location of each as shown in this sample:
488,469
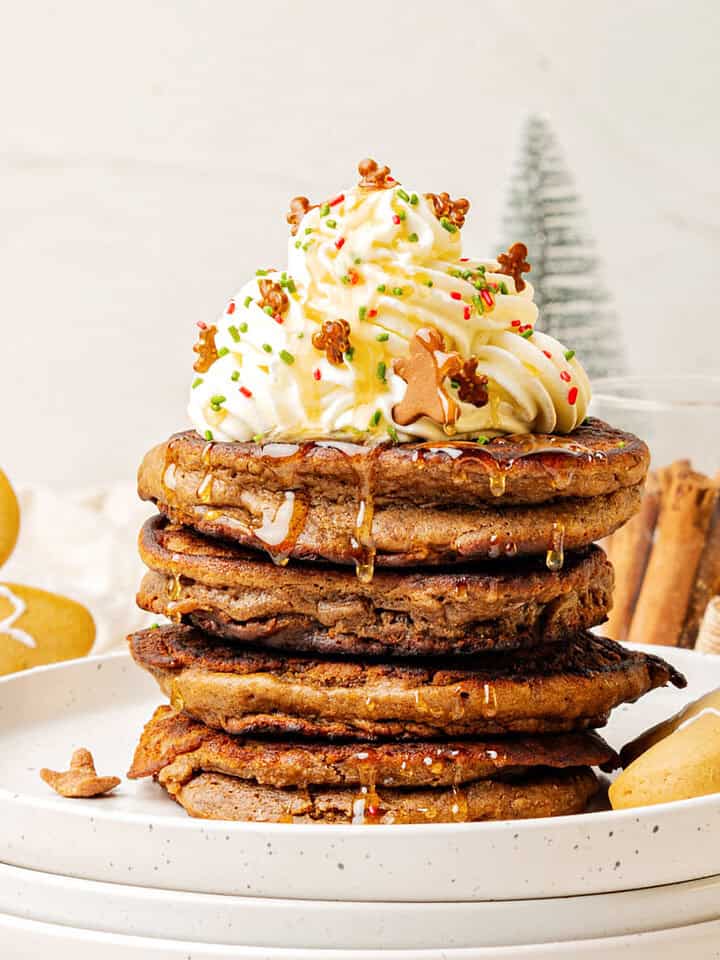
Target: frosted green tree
544,211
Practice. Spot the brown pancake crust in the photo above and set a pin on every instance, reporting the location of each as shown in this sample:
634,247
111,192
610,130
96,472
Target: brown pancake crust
182,747
240,595
215,796
428,503
559,688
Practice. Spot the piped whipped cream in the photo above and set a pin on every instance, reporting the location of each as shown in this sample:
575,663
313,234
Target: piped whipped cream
381,260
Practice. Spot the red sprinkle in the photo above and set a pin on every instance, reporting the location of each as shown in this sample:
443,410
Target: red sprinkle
455,295
245,392
354,276
572,395
316,373
278,318
515,323
487,298
338,199
202,325
340,242
390,179
466,313
565,376
464,259
547,354
371,314
231,307
396,219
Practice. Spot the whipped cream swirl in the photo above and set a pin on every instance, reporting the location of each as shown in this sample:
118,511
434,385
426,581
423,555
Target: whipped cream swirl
382,261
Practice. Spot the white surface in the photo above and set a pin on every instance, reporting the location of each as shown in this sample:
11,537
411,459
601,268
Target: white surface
249,921
28,939
138,836
149,151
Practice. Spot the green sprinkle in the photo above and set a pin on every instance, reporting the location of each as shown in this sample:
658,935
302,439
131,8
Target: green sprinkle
466,274
477,303
357,259
235,376
455,384
402,215
480,285
393,434
218,399
398,291
208,434
413,238
622,444
375,418
382,337
362,313
297,245
305,246
413,199
526,334
381,288
261,273
403,195
481,269
308,230
300,335
243,327
428,283
196,382
481,439
258,438
267,348
448,224
154,626
269,310
503,287
381,371
286,357
248,301
331,223
569,354
349,354
324,209
454,273
345,279
291,285
234,333
223,351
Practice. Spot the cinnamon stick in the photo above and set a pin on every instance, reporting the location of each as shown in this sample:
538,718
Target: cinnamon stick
686,508
707,581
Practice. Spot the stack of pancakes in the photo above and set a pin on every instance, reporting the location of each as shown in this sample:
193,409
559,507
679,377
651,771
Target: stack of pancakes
385,634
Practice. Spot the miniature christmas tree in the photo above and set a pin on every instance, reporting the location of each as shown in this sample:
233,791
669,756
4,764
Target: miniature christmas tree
545,212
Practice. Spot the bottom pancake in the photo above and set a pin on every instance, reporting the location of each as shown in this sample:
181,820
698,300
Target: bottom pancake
548,793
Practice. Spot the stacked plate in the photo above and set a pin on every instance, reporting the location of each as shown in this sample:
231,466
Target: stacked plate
130,875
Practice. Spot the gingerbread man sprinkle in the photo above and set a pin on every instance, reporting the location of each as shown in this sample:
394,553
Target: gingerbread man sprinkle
373,176
81,780
334,338
205,349
273,296
472,385
299,206
425,370
514,264
451,213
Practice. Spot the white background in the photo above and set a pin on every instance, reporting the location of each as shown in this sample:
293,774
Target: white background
149,150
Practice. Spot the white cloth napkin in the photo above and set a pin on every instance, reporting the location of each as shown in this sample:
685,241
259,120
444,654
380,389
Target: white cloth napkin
84,545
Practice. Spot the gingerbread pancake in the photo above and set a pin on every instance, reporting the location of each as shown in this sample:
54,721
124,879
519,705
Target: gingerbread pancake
559,688
240,595
407,504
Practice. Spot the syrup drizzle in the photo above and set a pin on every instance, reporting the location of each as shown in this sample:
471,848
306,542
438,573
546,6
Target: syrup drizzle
555,557
281,527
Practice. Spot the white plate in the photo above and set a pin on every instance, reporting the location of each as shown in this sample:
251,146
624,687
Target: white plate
20,939
138,836
249,921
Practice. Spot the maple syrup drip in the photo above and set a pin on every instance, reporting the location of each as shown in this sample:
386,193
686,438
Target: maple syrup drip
204,491
169,474
281,526
175,587
459,808
362,543
206,454
498,482
555,557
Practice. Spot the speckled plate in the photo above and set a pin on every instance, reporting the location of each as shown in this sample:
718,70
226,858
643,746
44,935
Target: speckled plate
138,836
260,922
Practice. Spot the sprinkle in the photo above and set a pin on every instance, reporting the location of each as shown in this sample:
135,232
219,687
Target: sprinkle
362,313
448,224
324,209
371,314
456,295
402,215
247,301
231,307
234,333
300,335
503,288
403,195
308,230
208,434
267,348
413,238
572,395
331,223
261,273
398,291
466,313
565,376
623,443
317,374
305,246
354,276
196,382
235,375
286,357
375,418
478,303
349,354
268,310
338,199
569,354
396,219
243,328
547,354
340,242
413,199
393,434
278,318
428,283
298,245
217,399
245,392
381,288
382,337
202,325
381,371
487,298
357,259
345,279
482,439
258,438
526,334
515,323
291,285
223,351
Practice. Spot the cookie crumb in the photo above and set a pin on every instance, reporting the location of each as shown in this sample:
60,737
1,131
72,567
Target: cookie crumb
81,780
